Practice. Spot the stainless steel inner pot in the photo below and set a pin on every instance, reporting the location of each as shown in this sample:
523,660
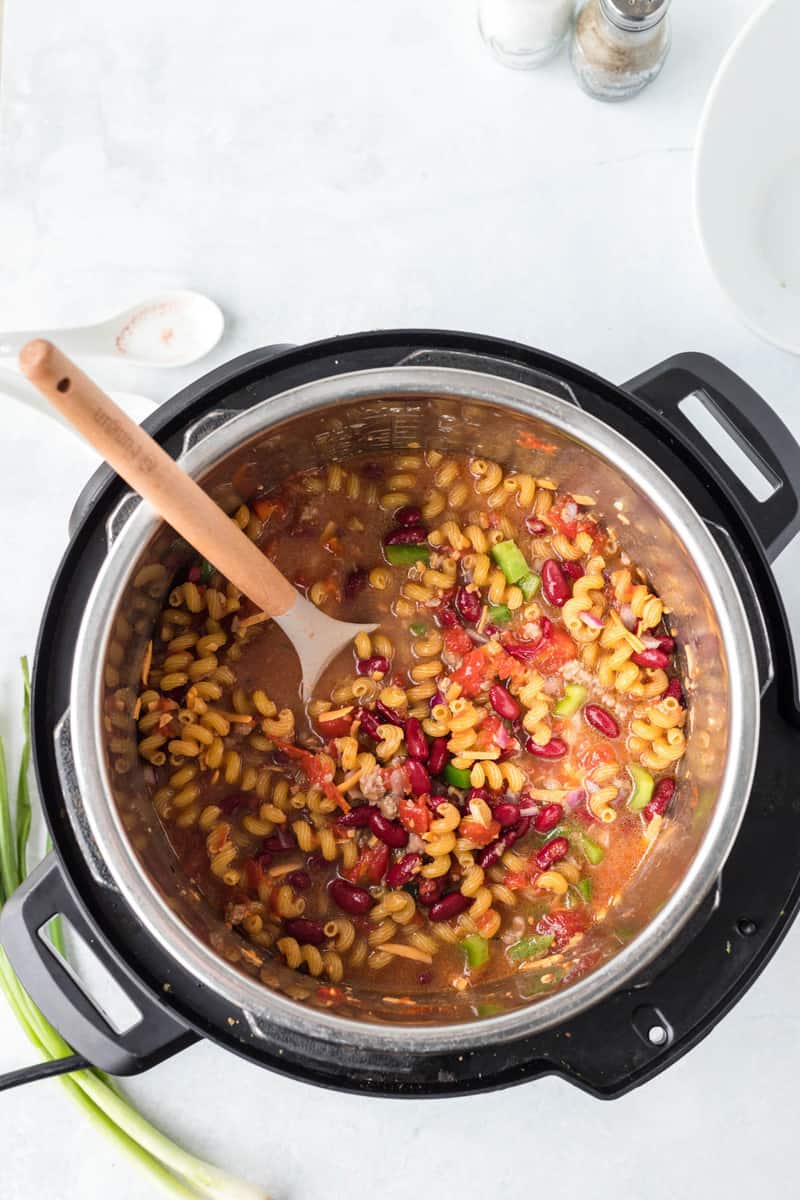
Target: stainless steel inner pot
462,412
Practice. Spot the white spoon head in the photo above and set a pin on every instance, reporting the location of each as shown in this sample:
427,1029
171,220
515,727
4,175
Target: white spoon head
171,329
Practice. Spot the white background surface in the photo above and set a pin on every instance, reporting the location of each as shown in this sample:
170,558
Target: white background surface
319,168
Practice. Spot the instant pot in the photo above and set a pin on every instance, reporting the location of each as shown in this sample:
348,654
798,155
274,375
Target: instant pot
715,899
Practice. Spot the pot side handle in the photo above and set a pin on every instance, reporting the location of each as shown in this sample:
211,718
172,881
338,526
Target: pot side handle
755,427
54,988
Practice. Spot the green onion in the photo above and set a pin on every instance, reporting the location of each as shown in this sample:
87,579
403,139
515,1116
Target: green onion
530,947
405,556
178,1172
574,698
499,614
477,949
510,560
643,784
456,776
529,585
418,628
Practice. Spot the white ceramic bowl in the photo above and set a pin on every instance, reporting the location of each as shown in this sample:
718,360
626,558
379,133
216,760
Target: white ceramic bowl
747,174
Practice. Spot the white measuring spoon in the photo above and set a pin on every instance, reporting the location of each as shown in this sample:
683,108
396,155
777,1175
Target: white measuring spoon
17,387
171,329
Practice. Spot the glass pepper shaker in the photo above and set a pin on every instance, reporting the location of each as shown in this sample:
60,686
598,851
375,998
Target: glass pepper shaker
524,33
619,46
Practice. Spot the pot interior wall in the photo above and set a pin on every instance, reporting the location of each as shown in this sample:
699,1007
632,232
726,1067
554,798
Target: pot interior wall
384,423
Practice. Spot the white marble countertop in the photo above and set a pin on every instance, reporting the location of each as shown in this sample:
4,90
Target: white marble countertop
320,168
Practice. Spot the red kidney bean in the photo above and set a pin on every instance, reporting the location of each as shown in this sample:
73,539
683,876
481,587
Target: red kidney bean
391,833
490,630
299,880
195,574
667,644
555,587
535,527
372,470
449,906
281,839
522,651
369,723
447,617
416,742
662,796
551,853
402,872
429,891
418,777
390,716
357,818
573,569
480,793
355,582
425,977
503,702
408,515
496,849
652,659
352,899
675,690
469,605
316,862
555,748
305,930
406,535
506,813
601,720
548,818
438,755
365,666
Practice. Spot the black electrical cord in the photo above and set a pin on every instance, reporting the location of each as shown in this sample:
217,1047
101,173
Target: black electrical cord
43,1070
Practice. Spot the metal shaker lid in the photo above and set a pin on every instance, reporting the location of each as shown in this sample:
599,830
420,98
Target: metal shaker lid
635,15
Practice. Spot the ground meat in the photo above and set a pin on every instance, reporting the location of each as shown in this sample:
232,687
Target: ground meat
416,844
388,806
372,785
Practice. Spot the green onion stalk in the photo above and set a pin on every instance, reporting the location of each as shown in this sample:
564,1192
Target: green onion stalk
174,1169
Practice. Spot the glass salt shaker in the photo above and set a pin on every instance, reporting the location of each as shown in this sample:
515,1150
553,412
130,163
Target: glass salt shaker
619,46
524,33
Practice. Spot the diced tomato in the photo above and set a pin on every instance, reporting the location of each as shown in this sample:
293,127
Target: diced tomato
318,768
594,754
477,833
476,668
563,924
563,516
516,880
506,667
371,864
490,731
554,651
264,508
252,874
414,814
338,727
529,442
457,641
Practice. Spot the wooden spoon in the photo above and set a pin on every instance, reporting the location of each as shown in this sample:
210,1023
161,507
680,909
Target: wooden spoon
151,472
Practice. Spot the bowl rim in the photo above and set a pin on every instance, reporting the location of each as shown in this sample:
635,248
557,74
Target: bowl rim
267,1011
703,133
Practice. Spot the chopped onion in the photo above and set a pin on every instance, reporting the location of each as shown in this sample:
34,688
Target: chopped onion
574,799
591,620
651,643
529,812
628,617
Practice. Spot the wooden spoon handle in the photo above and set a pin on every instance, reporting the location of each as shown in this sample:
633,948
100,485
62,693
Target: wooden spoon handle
154,475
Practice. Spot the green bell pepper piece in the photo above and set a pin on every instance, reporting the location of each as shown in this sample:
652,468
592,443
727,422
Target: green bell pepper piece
456,776
529,584
477,949
574,698
594,852
584,886
418,628
499,614
206,570
404,556
530,947
510,560
643,784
